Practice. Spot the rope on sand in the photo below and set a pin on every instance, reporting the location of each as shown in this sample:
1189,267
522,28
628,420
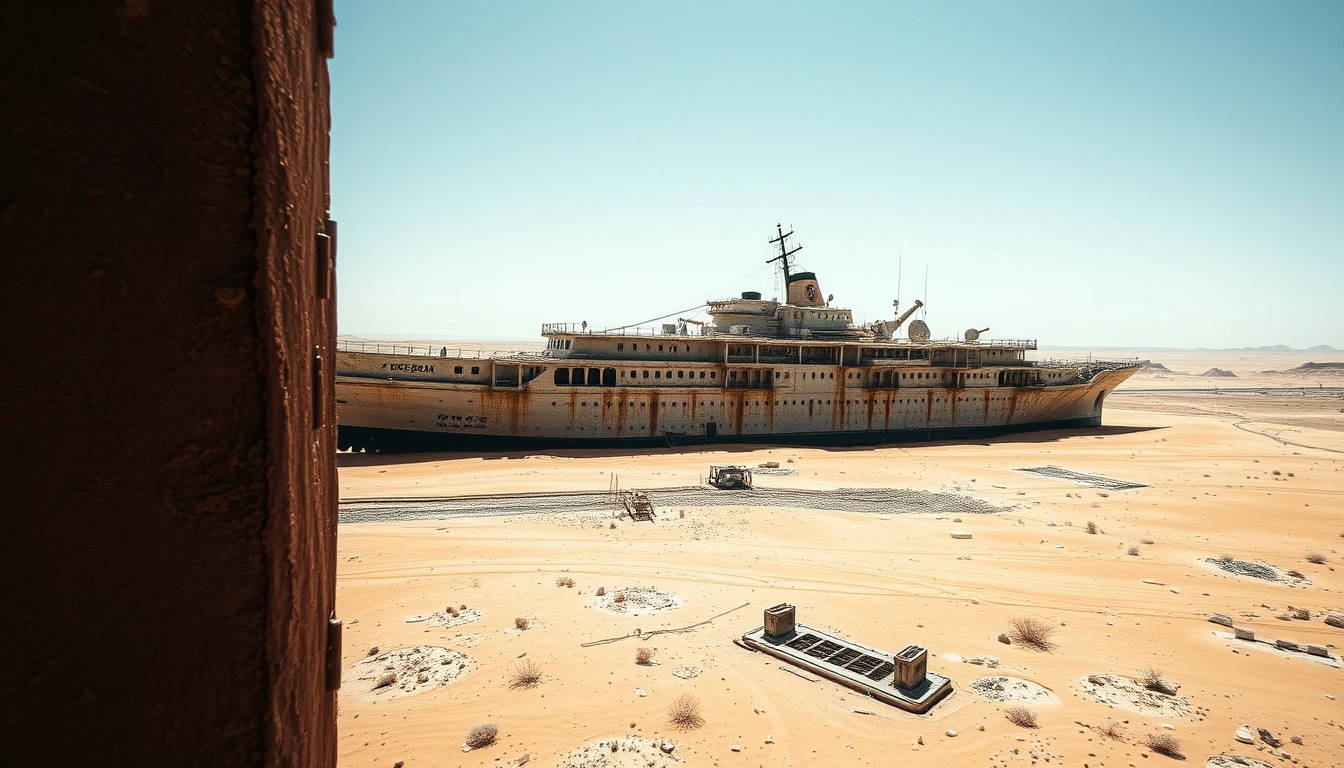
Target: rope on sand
642,635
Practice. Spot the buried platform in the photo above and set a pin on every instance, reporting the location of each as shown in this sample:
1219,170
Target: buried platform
901,680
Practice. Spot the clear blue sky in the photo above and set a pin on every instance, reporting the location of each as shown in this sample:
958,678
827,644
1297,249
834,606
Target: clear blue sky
1085,173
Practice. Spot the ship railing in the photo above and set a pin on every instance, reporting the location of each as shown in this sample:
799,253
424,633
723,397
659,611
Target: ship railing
549,329
1084,362
416,350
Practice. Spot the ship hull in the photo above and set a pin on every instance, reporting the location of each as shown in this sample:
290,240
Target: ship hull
404,414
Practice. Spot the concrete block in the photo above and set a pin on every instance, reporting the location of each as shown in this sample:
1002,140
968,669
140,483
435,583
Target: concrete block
1219,618
1318,650
1244,634
1287,645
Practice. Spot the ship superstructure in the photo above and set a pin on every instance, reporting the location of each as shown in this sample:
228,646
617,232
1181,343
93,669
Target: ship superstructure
797,371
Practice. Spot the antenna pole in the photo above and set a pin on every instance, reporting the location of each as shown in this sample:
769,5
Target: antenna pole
925,312
784,252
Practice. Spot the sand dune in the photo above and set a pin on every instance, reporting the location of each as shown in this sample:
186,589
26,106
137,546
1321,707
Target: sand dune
1219,482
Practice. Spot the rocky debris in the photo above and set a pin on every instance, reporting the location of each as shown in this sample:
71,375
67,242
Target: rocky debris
1269,738
1287,645
1257,570
1234,761
1220,618
623,752
1000,688
685,673
454,618
1130,694
1243,633
736,747
1005,639
405,671
951,733
961,534
1244,735
372,651
637,601
1335,619
601,591
1318,650
986,661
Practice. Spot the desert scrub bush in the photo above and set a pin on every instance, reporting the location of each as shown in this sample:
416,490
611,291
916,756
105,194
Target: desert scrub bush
1091,527
521,623
1021,717
482,735
1134,551
1147,541
1031,632
526,674
1165,744
451,611
1316,558
564,581
1296,574
1153,680
643,655
684,714
1225,558
1112,730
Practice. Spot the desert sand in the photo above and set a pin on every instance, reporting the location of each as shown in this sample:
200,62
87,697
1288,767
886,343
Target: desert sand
1259,478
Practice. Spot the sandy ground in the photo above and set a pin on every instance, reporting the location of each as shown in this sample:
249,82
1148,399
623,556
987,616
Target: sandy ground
1225,478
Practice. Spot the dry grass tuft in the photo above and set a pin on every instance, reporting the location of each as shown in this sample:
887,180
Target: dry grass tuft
1165,744
643,655
1092,527
1147,541
1226,558
1153,680
482,735
1296,574
1112,730
1132,551
1031,632
521,623
1021,717
1316,558
527,674
564,581
684,713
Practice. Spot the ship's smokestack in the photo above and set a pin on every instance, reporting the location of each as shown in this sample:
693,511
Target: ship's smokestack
804,290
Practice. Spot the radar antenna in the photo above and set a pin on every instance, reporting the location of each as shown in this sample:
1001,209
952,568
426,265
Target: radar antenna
784,251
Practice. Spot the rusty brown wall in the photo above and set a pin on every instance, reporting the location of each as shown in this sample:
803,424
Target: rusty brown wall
168,543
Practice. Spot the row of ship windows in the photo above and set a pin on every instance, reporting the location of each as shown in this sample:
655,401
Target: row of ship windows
757,404
606,377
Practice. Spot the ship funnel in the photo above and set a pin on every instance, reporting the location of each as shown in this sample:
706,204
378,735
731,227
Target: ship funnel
974,335
803,290
919,331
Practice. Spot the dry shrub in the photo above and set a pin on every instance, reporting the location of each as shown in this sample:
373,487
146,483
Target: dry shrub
527,674
643,655
564,581
1031,632
451,611
1132,551
601,591
1112,730
521,623
1091,527
482,735
1147,541
619,598
684,713
1316,558
1021,717
683,513
1153,680
463,607
1226,558
612,526
1165,744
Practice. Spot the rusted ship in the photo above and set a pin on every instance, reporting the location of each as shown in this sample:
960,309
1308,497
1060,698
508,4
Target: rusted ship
759,371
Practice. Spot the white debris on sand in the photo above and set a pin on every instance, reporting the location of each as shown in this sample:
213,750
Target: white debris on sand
1234,761
1128,694
445,619
621,752
637,601
403,672
1000,688
685,673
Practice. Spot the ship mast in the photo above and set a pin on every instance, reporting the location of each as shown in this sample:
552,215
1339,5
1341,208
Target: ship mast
784,252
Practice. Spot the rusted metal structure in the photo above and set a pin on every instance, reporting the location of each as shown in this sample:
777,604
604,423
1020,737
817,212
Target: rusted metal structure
637,506
902,680
730,478
798,372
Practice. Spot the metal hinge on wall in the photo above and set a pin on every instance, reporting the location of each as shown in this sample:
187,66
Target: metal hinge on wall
333,654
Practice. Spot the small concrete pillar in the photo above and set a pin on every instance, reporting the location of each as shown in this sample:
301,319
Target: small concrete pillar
1244,634
912,666
779,620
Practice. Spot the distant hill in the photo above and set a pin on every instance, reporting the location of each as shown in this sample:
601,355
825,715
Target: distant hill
1313,369
1219,372
1323,348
